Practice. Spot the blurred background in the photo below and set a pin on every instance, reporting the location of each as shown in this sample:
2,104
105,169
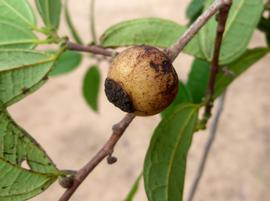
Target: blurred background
59,118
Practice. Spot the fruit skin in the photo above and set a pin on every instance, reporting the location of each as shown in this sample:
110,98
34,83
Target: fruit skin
141,80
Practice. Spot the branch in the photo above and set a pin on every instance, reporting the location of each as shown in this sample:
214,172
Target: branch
105,151
223,15
94,49
208,145
176,48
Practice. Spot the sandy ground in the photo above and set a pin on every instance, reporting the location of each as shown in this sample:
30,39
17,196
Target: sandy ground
58,117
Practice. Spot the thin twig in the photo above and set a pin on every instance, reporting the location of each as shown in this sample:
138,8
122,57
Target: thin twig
94,49
93,21
208,145
105,151
223,15
176,48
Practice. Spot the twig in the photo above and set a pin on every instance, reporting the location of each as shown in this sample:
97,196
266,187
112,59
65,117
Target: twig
176,48
106,150
91,49
208,145
93,21
223,15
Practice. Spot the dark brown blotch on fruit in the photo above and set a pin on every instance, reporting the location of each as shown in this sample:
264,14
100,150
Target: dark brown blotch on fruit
154,66
118,96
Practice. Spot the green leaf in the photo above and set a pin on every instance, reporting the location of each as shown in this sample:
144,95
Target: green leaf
199,75
151,31
16,36
91,85
198,79
165,162
17,12
194,9
22,72
16,147
183,96
70,24
19,184
67,62
242,22
50,11
148,31
134,189
238,67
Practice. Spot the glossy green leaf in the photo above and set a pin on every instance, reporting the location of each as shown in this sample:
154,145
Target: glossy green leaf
67,62
183,96
238,67
16,147
134,189
198,79
165,162
242,22
17,12
148,31
70,24
16,36
50,11
91,86
22,72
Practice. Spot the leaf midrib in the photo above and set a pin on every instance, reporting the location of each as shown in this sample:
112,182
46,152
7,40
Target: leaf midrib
18,14
177,145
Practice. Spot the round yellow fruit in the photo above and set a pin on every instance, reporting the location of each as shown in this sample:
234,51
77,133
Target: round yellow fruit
141,80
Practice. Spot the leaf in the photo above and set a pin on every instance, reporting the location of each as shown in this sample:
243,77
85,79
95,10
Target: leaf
148,31
17,146
243,19
91,85
19,184
134,189
22,72
183,96
67,62
50,11
151,31
16,36
194,9
17,12
165,162
198,79
238,67
70,24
